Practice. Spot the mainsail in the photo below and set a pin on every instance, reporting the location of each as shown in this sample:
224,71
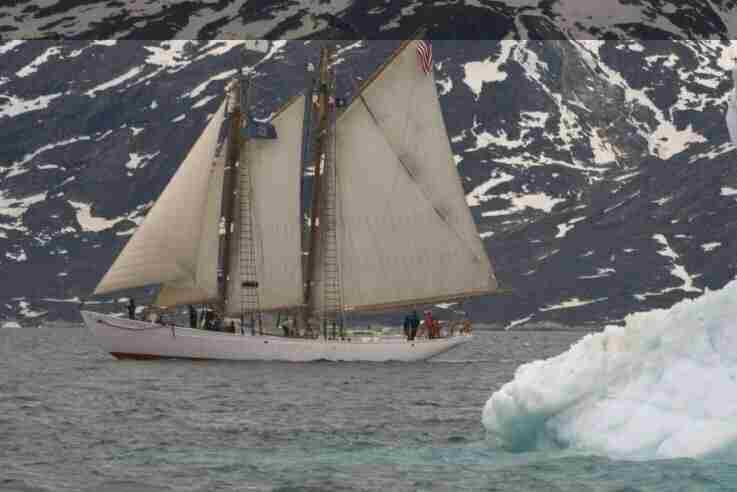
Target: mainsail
405,232
275,175
732,111
175,245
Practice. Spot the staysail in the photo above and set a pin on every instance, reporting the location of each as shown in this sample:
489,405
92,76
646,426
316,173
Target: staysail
275,171
173,245
731,116
406,235
205,287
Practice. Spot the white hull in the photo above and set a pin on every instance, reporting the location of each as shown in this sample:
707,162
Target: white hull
126,338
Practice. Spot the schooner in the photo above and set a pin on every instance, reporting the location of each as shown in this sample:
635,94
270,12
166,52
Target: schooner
387,226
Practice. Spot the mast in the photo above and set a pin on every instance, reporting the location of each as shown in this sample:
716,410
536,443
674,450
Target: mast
230,184
247,236
324,87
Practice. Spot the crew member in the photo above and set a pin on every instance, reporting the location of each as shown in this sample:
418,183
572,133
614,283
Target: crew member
414,321
131,308
429,324
408,327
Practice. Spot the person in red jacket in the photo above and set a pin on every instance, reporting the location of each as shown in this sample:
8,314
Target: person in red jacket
429,324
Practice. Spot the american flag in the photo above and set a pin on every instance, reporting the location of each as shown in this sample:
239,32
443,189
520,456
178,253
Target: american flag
424,56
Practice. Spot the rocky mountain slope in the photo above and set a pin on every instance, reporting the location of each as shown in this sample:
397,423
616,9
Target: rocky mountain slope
600,173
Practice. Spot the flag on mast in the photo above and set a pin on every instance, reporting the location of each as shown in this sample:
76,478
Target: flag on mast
424,56
258,129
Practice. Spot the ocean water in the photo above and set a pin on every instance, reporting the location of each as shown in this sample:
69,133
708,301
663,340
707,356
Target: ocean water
74,419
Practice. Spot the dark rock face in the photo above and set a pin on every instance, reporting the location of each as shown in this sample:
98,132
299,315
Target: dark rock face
599,173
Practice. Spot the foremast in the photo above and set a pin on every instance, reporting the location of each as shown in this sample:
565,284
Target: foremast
323,100
230,187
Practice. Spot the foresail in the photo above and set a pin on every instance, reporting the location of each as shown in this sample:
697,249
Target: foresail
166,248
275,167
406,235
204,288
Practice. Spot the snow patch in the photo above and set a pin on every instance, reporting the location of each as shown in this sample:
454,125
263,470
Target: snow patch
600,273
168,55
538,201
677,271
478,73
133,72
446,85
518,322
137,160
194,93
563,229
710,246
13,106
603,151
16,207
26,310
40,60
572,303
10,45
88,222
17,166
203,101
20,256
478,194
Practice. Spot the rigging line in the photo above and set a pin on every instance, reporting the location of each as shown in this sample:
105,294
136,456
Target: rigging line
440,215
338,217
258,229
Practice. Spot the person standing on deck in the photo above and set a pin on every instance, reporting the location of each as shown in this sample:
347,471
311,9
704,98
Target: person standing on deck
408,327
209,319
429,324
131,308
414,324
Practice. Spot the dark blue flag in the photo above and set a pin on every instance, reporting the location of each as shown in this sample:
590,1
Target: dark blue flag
339,102
256,129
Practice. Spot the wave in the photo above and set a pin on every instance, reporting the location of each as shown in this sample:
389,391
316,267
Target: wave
662,386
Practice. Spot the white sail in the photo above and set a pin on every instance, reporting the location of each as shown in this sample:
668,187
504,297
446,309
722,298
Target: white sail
204,288
731,116
405,233
275,167
169,246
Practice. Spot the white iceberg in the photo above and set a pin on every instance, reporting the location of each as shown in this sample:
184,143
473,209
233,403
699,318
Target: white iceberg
663,386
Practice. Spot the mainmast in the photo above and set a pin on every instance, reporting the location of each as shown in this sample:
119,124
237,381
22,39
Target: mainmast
230,187
323,93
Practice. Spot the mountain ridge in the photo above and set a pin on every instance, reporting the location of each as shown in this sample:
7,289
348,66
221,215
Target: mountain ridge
600,174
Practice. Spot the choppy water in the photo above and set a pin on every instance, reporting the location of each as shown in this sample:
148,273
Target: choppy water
72,418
